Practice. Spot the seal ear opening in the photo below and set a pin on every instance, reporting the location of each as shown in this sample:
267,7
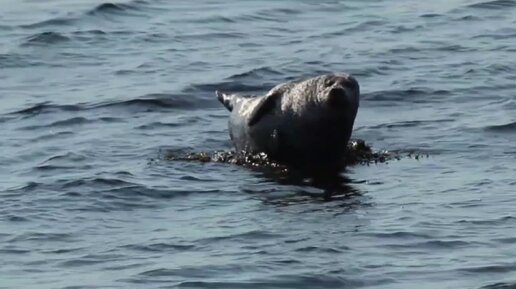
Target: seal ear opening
265,106
225,99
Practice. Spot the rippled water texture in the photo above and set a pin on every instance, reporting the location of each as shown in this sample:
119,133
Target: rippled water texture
94,94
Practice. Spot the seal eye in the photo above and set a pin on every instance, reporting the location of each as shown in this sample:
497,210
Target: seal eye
329,82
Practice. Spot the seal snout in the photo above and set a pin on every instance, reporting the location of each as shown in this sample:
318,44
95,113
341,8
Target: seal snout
337,97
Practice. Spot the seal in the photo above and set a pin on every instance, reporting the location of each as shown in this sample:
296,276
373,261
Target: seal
305,123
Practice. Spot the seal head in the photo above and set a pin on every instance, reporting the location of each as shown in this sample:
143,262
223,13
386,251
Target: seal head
302,123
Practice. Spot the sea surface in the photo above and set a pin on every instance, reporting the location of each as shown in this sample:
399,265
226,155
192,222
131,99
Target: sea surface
95,94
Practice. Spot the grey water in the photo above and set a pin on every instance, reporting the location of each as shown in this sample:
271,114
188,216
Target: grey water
93,94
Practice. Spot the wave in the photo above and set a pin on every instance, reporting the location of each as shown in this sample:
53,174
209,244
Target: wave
230,86
213,19
431,15
282,281
411,123
360,27
16,60
148,102
116,189
59,21
255,73
216,36
499,268
506,128
412,95
74,121
133,8
45,38
496,36
159,247
72,157
496,4
116,8
500,285
47,107
47,237
158,124
154,102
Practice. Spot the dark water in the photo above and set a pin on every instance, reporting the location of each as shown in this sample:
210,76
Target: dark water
93,93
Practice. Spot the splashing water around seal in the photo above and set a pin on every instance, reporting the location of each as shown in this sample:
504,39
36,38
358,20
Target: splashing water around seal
358,152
